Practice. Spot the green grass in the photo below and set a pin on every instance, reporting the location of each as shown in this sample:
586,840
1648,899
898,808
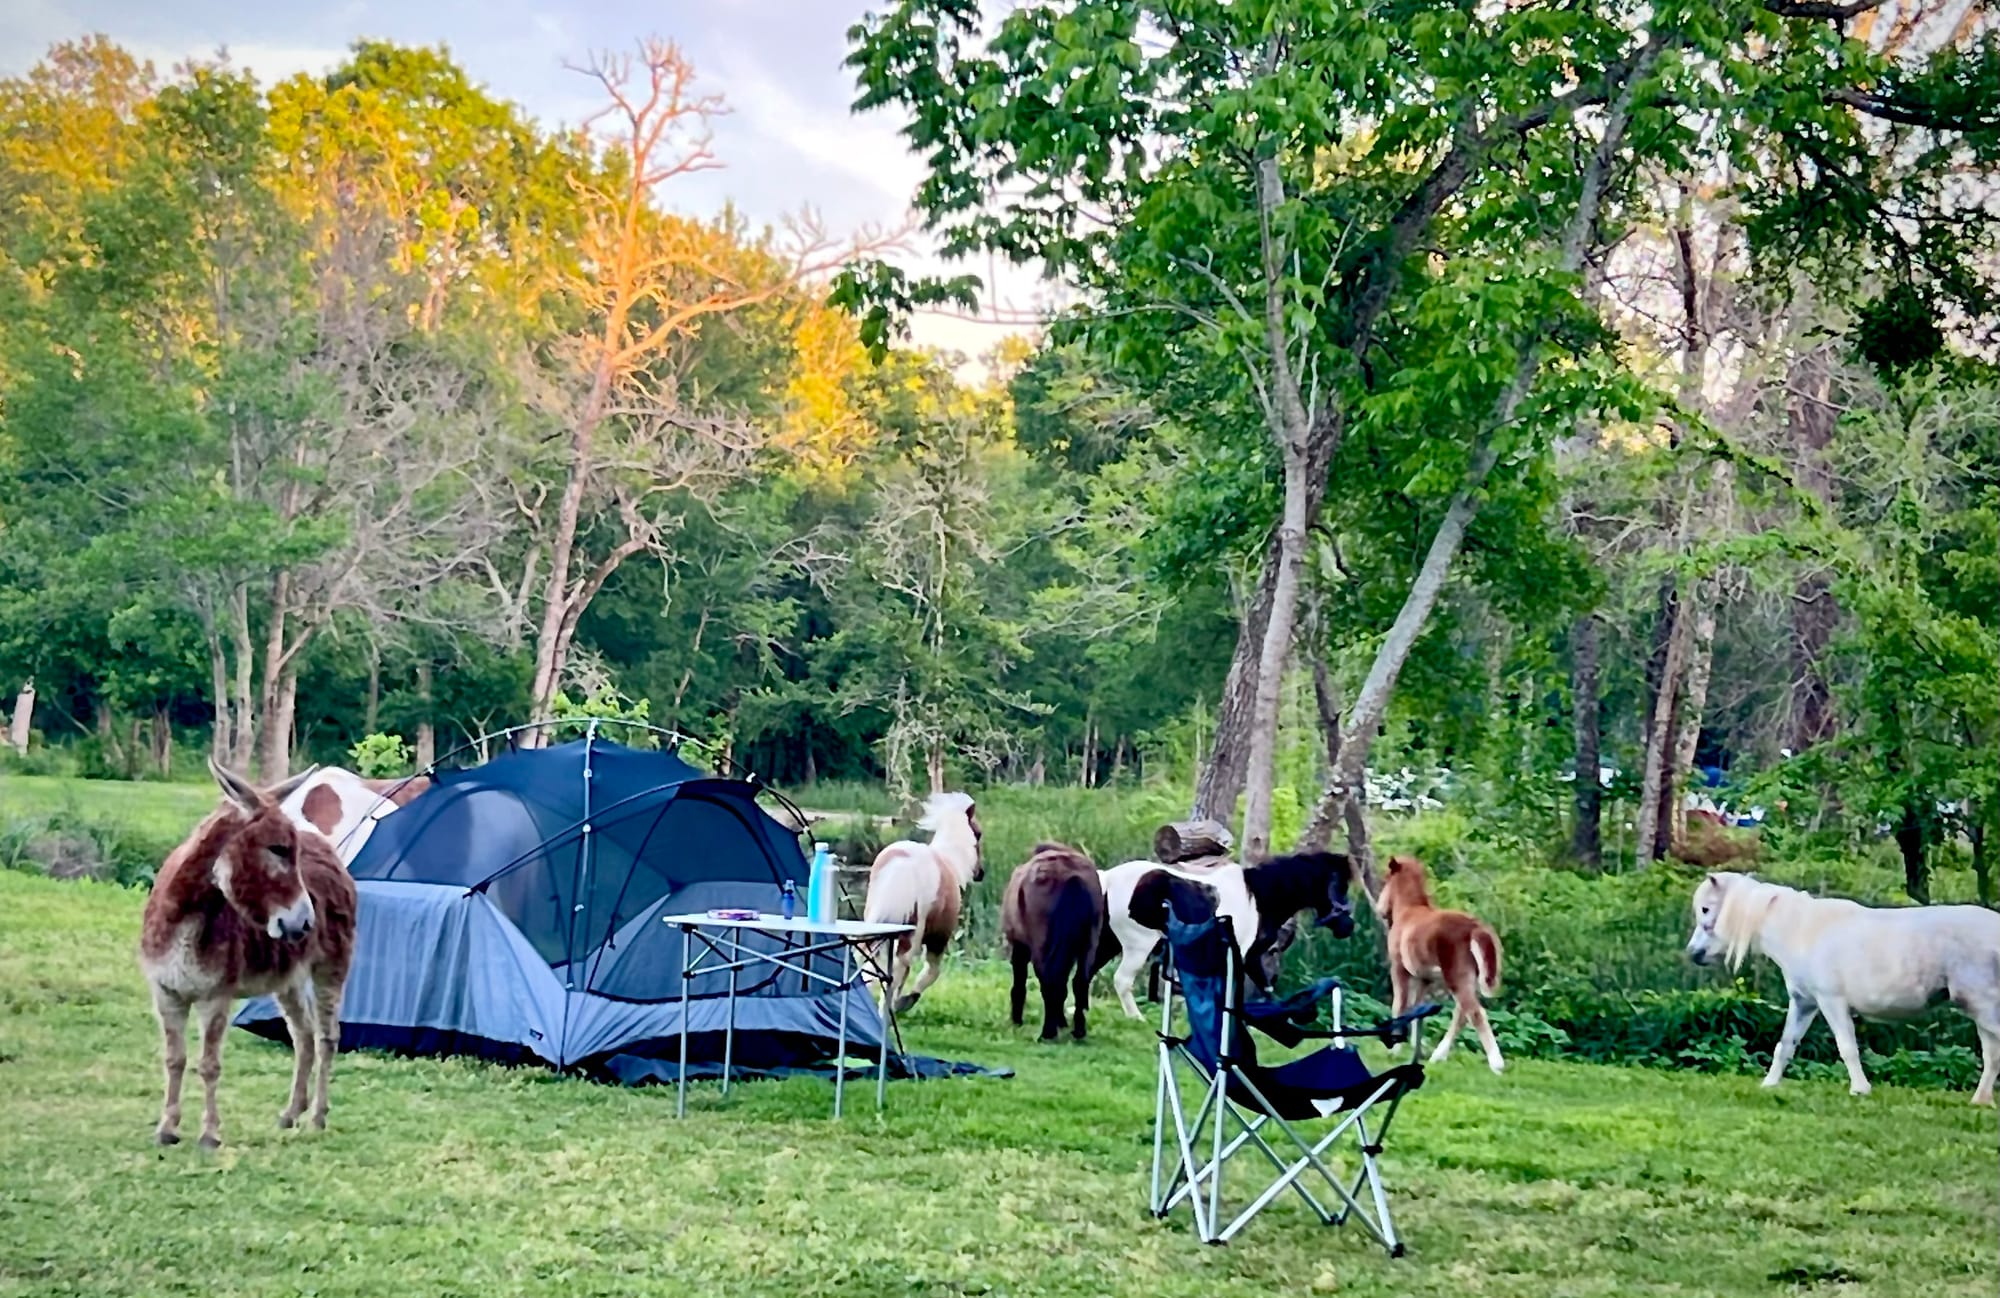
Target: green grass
452,1177
165,811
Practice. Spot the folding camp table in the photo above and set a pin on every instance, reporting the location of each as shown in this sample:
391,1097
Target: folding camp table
710,944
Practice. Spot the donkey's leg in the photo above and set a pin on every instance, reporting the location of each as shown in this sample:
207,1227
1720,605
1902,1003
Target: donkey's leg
1799,1016
1123,979
1018,999
933,966
1450,1038
1080,992
1841,1021
1989,1047
326,1001
1484,1027
302,1022
1052,980
173,1015
214,1022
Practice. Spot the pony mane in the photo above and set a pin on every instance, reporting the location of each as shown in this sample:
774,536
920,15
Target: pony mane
1746,901
939,806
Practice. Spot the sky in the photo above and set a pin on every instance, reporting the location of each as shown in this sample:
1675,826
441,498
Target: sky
788,139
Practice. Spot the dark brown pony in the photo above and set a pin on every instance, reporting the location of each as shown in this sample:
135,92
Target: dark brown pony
1428,945
249,905
1050,917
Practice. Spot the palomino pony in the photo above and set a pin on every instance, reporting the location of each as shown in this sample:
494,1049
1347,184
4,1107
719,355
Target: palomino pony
1428,945
1050,918
923,884
1841,958
250,904
344,807
1257,899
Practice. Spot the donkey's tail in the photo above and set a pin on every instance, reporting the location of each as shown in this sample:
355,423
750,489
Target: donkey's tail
1075,915
1486,958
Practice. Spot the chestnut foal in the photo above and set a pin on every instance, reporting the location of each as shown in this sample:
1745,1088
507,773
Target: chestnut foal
250,904
1428,945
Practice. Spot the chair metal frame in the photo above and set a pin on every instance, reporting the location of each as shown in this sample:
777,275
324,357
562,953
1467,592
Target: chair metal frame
1196,1176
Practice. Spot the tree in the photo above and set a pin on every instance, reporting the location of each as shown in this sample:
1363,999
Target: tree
644,283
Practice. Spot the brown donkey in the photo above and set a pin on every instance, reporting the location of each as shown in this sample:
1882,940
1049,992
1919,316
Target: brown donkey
1050,918
248,905
1429,946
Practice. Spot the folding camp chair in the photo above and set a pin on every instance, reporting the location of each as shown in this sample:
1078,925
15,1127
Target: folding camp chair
1230,1086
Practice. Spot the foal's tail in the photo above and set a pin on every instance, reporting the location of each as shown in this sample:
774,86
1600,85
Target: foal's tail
1485,946
1075,914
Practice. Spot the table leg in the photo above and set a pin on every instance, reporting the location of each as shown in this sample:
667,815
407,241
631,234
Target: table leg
840,1059
681,1108
882,1065
729,1032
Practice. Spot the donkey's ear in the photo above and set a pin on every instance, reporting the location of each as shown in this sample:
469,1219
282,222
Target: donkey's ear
238,789
278,793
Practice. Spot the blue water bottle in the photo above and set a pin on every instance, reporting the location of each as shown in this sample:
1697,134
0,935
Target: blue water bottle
820,894
791,900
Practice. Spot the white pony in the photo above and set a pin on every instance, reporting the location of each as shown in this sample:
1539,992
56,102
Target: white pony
1841,958
923,884
344,806
1136,941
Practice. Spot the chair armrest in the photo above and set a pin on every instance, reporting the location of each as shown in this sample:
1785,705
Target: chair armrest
1388,1031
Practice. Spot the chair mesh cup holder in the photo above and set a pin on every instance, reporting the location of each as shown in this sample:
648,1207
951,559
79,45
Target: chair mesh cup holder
1214,1103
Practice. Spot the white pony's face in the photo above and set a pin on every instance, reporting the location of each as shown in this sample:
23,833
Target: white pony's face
1704,947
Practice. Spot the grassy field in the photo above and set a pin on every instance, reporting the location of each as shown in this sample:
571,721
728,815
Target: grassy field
157,810
461,1178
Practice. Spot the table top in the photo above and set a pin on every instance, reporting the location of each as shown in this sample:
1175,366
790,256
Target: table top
843,928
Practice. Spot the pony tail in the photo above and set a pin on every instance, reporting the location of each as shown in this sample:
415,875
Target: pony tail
1486,959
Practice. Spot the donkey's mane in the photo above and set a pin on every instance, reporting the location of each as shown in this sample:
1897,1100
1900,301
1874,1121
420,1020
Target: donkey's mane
941,805
1746,901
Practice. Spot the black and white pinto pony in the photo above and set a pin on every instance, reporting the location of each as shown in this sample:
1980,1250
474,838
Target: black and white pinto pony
1841,959
1257,900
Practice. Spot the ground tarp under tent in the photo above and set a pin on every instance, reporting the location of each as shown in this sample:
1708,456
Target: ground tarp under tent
513,912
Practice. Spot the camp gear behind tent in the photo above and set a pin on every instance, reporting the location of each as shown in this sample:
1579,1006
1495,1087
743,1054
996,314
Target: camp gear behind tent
513,912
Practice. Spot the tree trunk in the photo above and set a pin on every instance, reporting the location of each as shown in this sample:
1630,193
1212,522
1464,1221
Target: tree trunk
1910,841
550,642
934,765
1332,805
221,743
1221,779
1691,702
1261,774
21,725
1982,869
372,710
273,753
244,721
163,741
1654,821
426,726
1810,417
1587,836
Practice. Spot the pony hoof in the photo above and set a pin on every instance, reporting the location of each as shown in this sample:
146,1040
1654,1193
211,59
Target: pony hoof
211,1142
167,1137
905,1003
1497,1065
1982,1101
1859,1090
319,1122
286,1121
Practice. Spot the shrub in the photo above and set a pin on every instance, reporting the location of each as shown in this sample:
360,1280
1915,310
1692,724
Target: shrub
381,757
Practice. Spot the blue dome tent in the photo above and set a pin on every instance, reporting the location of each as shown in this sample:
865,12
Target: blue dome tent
513,912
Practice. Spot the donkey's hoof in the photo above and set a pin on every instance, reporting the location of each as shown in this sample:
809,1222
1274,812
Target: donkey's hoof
167,1137
1983,1101
211,1142
319,1122
287,1120
1862,1089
